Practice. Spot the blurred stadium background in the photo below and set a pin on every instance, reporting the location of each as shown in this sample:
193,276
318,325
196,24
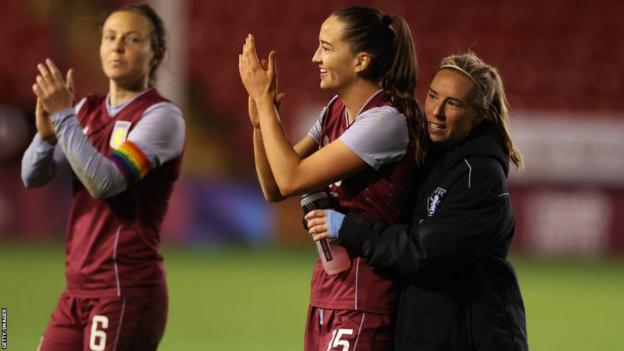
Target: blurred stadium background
239,268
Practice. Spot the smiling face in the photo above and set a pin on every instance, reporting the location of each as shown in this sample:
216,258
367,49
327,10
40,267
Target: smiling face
339,66
126,50
450,116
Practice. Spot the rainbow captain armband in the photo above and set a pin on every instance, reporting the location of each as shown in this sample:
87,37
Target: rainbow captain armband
131,161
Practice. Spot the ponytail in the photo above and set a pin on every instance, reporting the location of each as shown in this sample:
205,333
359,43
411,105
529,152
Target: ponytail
389,41
500,115
400,83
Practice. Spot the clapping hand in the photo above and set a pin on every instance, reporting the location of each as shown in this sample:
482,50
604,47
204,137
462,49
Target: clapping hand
259,77
53,93
44,124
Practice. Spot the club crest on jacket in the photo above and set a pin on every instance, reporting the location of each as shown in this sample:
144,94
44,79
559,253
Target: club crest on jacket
434,200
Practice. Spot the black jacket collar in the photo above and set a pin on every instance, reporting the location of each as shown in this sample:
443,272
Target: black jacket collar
483,141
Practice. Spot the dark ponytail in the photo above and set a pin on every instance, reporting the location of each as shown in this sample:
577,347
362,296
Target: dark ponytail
400,83
389,41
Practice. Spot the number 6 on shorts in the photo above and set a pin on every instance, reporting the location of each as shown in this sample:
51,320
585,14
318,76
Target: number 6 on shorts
97,341
335,340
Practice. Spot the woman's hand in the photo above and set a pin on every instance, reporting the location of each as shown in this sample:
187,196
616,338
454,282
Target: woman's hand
50,88
44,124
259,80
317,224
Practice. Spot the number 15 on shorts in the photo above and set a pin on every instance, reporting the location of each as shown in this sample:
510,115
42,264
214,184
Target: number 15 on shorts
337,341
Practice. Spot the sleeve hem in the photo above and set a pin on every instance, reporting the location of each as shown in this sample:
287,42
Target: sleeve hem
348,233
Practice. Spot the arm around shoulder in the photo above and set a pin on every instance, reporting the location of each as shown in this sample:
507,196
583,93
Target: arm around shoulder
466,219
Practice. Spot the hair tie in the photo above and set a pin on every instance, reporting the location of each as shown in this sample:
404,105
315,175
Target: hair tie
387,20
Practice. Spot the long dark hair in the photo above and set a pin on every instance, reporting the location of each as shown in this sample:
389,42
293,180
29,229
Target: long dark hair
157,36
389,41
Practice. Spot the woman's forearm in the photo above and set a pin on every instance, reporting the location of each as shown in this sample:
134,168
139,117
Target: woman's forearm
38,163
281,156
263,169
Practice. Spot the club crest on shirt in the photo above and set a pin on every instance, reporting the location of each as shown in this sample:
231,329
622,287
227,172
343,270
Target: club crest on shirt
119,134
434,200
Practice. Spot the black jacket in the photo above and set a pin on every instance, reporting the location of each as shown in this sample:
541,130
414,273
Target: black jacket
458,290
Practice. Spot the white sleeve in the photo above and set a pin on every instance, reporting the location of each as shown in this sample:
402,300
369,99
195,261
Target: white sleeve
160,133
315,131
159,136
97,173
378,136
38,163
42,160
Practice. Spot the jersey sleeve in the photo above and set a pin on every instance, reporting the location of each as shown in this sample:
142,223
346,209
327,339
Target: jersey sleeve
41,159
315,131
157,138
38,163
378,136
103,176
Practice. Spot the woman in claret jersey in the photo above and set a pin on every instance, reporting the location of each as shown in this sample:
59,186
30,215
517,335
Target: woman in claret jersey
124,150
363,148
